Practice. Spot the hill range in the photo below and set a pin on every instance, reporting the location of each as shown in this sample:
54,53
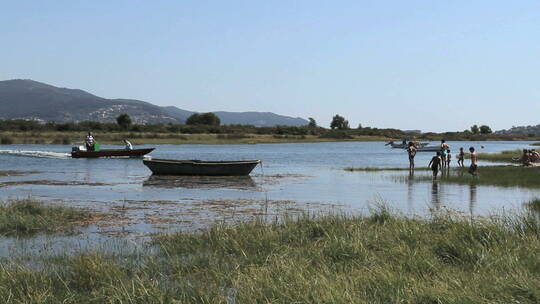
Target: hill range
28,99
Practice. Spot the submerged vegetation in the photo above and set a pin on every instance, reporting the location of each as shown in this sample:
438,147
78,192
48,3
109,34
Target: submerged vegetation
382,258
503,176
28,217
377,169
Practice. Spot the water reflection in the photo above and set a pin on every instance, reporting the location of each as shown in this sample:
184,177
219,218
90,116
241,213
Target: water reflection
410,193
435,195
204,182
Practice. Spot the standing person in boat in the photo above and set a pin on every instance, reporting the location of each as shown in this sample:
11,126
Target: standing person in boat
474,162
436,164
129,146
461,157
90,142
411,150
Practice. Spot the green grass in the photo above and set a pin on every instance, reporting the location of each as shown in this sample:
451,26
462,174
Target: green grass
504,156
504,176
330,259
153,138
377,169
28,217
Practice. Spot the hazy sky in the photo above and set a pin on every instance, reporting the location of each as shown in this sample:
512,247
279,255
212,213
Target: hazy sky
429,65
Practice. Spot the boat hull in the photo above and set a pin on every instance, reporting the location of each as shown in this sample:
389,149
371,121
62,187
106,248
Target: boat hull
429,149
111,153
401,146
200,168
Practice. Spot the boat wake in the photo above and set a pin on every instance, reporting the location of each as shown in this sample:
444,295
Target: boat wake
42,154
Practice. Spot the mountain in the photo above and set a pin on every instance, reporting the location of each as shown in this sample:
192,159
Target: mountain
535,130
28,99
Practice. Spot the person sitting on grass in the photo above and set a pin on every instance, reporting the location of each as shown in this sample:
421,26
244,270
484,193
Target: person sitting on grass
526,158
461,157
129,146
411,150
436,164
448,158
535,157
474,162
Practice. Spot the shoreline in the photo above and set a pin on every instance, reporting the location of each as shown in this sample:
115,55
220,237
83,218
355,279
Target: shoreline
155,138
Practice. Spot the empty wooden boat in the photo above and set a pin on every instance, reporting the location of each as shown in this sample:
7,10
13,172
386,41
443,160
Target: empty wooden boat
200,167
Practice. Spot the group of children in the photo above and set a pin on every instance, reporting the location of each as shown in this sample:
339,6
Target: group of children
443,158
529,157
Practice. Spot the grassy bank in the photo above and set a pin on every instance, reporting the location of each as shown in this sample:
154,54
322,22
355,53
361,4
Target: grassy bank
149,138
27,217
330,259
504,156
504,176
377,169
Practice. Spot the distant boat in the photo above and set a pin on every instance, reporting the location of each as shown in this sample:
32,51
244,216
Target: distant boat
429,149
200,167
404,146
79,153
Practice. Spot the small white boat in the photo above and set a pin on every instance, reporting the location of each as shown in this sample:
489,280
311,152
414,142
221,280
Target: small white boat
405,146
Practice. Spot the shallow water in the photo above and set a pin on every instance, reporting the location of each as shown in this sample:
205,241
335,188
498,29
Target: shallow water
292,177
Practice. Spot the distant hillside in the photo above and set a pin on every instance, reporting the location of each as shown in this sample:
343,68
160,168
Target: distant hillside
28,99
522,130
259,119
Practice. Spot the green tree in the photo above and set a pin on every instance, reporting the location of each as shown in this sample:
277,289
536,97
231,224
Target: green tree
203,119
312,123
475,129
339,122
485,129
123,120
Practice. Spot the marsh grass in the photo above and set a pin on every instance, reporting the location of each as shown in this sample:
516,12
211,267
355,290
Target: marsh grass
504,176
155,138
28,217
381,258
504,156
378,169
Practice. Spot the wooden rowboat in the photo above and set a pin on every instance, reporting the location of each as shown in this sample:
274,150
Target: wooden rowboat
76,153
200,167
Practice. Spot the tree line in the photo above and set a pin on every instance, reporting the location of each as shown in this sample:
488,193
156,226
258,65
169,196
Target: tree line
200,123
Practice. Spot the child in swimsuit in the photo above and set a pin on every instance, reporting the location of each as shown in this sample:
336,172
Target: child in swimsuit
444,147
436,164
411,150
461,157
448,158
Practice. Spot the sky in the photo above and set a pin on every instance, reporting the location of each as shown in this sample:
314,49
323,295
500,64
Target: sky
428,65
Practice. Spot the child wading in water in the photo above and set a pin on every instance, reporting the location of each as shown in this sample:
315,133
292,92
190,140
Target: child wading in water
436,164
444,147
448,158
474,162
461,157
411,150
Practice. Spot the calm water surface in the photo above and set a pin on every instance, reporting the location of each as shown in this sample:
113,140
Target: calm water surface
293,176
